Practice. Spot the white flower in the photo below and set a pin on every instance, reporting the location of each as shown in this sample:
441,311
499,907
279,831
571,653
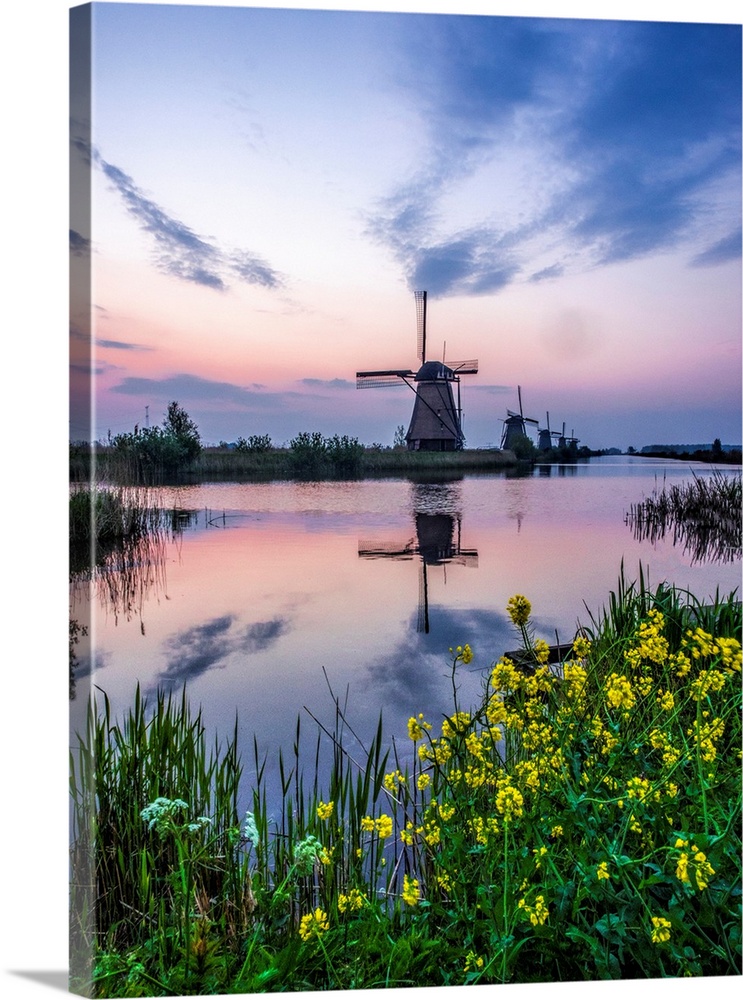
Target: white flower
250,829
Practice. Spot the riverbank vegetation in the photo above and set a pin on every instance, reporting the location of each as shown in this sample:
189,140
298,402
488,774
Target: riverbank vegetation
703,515
581,821
309,455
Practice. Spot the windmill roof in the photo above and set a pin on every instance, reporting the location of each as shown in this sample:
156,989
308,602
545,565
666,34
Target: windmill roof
434,370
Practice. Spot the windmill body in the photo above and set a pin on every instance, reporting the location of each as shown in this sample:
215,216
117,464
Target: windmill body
436,422
515,426
546,436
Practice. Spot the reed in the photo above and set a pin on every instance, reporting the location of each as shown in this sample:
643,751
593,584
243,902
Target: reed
108,515
704,516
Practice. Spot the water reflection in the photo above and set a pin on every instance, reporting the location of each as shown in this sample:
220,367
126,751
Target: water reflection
195,650
119,578
437,540
702,541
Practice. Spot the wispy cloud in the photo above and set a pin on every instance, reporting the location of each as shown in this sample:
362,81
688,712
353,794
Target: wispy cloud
327,383
601,140
196,389
182,253
728,248
121,345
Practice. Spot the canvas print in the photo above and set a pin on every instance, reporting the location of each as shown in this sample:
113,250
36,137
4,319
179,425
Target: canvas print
405,500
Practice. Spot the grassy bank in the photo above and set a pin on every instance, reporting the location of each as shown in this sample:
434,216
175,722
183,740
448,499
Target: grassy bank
280,463
574,824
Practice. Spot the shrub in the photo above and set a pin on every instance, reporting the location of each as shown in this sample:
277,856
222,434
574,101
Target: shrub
256,444
146,455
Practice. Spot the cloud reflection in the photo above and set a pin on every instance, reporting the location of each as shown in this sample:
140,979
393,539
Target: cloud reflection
204,647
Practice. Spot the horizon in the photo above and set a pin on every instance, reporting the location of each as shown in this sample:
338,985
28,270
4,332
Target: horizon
276,183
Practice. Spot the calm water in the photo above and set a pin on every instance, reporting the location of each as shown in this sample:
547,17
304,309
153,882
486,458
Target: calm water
269,588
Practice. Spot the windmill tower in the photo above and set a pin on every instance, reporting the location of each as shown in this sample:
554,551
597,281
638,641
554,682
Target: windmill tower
546,435
436,423
514,426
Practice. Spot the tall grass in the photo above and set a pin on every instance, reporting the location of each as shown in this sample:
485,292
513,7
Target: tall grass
577,822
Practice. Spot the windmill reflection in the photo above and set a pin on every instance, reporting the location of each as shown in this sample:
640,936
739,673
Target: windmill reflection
437,540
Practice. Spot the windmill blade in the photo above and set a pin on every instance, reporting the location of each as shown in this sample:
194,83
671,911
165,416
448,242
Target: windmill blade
466,557
420,315
369,549
529,420
463,367
374,380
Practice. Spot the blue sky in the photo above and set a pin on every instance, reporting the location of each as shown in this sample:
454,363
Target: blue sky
275,184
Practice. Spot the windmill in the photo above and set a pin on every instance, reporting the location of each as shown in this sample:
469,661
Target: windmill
514,426
437,542
436,423
546,435
568,442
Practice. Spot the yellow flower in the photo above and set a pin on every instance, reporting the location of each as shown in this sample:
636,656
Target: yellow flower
539,853
464,653
393,780
666,700
706,681
661,930
541,651
581,647
424,780
509,801
619,692
458,723
367,824
444,881
410,890
354,899
416,727
556,831
519,609
383,826
313,923
446,810
473,961
325,810
538,913
505,676
602,871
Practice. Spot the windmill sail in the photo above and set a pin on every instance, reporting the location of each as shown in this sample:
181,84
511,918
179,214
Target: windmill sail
421,299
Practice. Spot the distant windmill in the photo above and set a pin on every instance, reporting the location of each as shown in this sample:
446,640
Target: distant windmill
514,426
568,442
436,423
437,541
546,435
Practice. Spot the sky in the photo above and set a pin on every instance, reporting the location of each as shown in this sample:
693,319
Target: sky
270,187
